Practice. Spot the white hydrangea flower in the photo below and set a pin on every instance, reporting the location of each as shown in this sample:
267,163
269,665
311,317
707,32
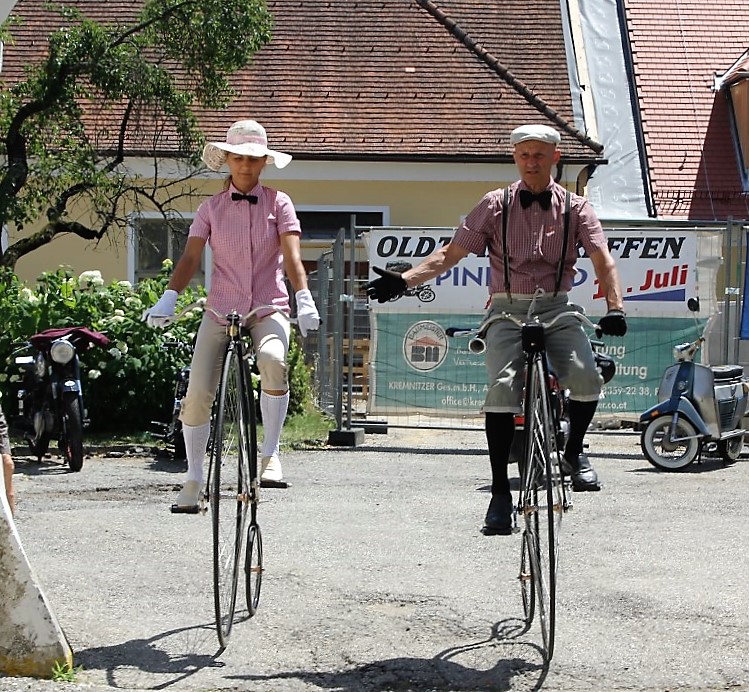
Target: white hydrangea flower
91,278
115,352
133,302
29,296
94,374
125,284
121,347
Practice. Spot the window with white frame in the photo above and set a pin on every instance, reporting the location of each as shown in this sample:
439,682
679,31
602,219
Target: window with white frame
739,100
324,224
156,239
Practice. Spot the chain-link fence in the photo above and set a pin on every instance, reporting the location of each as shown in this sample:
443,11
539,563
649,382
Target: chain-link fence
364,380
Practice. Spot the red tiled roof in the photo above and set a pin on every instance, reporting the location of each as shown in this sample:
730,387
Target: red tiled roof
678,46
382,79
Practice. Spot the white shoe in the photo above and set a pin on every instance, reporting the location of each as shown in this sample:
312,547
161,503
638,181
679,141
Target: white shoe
189,495
270,470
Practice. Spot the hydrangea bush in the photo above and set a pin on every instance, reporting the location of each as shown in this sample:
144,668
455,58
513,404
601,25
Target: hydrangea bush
131,382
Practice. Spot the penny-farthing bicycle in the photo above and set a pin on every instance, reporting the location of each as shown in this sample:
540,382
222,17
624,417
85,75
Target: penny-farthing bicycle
544,495
232,490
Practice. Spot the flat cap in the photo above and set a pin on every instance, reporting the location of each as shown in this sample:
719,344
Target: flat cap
541,133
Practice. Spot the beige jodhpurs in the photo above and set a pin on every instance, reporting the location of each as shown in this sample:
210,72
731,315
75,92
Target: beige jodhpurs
270,336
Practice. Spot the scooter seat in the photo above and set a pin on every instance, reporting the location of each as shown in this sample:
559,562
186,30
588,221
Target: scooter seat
727,372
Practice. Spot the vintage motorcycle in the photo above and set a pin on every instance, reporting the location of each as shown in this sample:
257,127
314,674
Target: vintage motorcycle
700,408
171,432
50,397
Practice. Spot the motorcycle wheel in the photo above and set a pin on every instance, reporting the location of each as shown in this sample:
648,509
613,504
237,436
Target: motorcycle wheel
72,443
39,447
730,449
664,454
179,442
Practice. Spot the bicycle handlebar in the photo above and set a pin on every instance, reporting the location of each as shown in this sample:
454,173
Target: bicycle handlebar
200,303
478,345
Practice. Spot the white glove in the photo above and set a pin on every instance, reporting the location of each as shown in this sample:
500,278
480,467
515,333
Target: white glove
307,317
159,314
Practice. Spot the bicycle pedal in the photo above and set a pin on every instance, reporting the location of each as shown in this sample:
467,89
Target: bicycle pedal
185,509
274,484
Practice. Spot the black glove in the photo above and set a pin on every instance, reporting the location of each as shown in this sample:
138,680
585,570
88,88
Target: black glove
613,323
391,285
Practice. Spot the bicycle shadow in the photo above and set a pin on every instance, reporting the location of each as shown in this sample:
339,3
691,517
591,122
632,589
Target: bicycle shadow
122,664
146,656
440,672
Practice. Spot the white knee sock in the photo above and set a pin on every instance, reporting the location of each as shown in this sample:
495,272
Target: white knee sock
196,441
273,410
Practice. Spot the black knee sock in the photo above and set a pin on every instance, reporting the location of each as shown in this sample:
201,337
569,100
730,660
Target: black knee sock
500,427
581,414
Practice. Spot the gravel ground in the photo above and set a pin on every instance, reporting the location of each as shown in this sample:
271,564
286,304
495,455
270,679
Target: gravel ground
377,577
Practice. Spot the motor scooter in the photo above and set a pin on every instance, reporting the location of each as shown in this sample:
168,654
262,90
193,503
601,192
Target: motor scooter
700,408
50,397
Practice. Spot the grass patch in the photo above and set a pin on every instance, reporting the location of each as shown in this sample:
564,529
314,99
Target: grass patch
64,672
306,430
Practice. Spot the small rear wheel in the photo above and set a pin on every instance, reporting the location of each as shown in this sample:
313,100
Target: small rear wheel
666,453
527,584
253,568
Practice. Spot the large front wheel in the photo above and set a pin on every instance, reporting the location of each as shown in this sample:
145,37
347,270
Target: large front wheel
228,488
666,451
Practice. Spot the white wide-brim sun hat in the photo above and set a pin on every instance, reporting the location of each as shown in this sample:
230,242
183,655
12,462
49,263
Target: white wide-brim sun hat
246,138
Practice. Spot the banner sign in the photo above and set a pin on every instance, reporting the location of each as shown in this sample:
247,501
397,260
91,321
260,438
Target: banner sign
657,271
416,366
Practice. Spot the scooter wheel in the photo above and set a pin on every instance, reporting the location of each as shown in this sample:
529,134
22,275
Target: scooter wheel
731,449
663,452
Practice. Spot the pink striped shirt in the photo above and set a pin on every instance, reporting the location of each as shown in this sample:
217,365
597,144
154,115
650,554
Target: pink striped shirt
245,241
534,238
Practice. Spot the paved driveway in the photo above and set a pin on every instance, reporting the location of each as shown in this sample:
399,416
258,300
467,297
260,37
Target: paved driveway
377,577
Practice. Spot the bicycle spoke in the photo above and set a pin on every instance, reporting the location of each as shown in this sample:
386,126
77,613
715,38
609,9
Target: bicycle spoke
229,495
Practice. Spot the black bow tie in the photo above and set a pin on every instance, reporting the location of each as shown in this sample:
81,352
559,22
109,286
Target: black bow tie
238,197
543,198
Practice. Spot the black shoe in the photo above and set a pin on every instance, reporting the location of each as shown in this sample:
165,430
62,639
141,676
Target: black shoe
584,476
498,521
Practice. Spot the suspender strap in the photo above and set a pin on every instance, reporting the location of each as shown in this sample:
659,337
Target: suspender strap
505,258
565,240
